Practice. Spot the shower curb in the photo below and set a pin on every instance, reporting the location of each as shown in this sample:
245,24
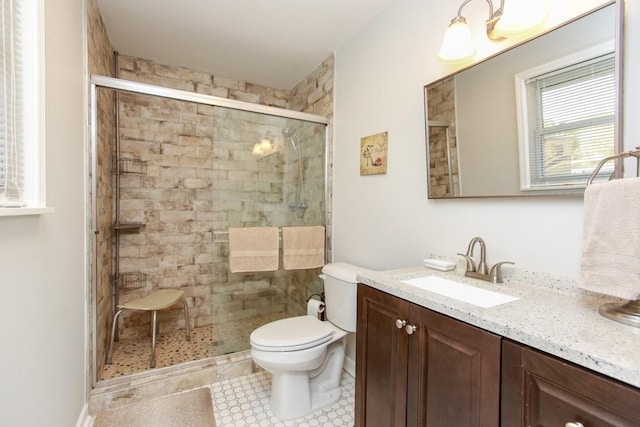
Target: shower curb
127,390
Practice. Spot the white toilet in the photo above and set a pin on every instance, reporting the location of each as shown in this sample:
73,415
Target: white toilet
304,354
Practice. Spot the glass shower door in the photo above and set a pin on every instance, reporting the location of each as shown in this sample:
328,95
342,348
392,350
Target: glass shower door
269,172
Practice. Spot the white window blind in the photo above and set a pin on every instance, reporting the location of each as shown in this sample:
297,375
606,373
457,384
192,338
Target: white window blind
20,167
570,121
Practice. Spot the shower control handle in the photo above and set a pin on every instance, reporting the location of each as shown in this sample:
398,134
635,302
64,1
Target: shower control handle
400,323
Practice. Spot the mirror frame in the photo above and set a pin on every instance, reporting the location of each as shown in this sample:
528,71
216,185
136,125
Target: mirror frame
618,112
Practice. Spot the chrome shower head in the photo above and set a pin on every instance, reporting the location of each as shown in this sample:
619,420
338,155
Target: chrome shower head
293,138
288,132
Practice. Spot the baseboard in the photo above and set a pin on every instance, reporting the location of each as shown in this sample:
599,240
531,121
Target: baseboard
84,419
349,365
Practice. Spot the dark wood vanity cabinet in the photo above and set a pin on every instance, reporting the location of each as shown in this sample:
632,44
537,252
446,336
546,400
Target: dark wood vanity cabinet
416,367
541,390
381,360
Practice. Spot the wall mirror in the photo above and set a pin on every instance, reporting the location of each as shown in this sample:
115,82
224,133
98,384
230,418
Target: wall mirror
482,140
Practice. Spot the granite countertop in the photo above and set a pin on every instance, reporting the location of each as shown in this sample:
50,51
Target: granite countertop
554,317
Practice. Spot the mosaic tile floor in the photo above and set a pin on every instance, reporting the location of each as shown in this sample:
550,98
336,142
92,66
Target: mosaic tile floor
132,356
244,402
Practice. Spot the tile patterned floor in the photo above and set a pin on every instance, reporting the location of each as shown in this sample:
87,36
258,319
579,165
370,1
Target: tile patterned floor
132,356
237,402
244,402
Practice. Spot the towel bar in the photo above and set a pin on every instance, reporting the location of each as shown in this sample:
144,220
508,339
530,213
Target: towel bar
633,153
215,239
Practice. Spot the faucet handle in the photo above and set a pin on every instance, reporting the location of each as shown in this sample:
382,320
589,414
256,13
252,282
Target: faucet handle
496,271
471,264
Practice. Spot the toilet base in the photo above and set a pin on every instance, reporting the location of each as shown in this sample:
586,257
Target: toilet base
295,394
285,404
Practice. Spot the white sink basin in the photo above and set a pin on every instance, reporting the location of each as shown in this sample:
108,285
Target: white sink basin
460,291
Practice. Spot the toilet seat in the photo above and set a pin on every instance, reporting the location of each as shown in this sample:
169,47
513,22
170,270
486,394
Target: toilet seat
291,334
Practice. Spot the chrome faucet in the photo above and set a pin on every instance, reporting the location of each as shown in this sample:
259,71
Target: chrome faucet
482,266
480,270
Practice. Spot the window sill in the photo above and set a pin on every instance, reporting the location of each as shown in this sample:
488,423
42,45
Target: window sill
25,211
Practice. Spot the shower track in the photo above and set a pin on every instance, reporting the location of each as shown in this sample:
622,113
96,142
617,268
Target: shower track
183,95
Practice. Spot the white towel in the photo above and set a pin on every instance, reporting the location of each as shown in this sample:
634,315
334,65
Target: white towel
253,249
610,262
302,247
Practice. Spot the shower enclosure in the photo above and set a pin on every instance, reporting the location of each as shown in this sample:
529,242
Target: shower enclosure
171,171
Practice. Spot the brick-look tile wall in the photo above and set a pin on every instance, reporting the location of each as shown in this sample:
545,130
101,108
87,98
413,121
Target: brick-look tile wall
147,71
441,107
101,62
314,94
201,177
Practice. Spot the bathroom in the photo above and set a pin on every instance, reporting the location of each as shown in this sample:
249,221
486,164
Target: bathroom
379,221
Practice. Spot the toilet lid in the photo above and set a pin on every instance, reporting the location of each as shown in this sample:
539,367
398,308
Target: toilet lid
294,333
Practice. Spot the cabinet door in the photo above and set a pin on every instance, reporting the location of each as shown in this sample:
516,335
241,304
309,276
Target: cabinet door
541,390
381,360
454,373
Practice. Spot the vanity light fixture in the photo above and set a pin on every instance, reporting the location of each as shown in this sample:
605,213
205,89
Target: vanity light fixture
515,18
265,146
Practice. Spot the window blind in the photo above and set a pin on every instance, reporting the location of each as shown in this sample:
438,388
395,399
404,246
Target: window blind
12,91
571,121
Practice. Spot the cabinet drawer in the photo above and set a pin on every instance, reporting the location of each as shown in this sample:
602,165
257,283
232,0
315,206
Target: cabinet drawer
541,390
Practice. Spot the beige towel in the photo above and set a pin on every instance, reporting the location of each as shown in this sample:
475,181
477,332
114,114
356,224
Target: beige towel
253,249
610,262
302,247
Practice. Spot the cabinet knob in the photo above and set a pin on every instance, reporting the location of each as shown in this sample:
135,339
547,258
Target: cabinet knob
400,323
410,329
574,424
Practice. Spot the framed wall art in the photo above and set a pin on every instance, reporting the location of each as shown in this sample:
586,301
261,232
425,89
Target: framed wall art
373,154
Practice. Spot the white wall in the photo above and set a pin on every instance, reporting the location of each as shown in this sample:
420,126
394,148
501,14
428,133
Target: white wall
42,278
386,221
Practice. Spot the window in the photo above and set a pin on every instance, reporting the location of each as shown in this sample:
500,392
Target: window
567,115
21,167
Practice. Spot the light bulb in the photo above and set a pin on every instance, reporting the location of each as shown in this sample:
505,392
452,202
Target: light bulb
265,146
257,150
521,17
457,45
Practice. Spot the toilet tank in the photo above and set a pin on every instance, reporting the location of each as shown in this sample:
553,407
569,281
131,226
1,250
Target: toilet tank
340,286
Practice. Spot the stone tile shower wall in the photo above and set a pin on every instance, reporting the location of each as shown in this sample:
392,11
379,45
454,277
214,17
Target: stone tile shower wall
442,107
173,198
100,61
201,177
314,95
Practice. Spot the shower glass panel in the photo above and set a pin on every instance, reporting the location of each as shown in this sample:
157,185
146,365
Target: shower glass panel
269,171
172,177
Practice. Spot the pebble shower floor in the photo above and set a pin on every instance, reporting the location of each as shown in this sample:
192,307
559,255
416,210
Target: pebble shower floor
244,402
132,355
